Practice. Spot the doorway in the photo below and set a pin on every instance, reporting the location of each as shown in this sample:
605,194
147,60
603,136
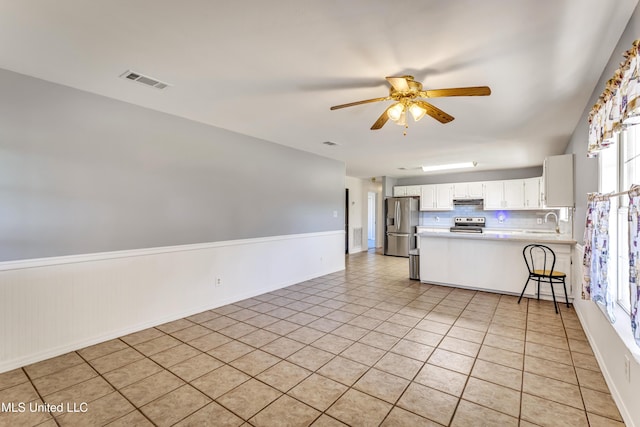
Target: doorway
371,220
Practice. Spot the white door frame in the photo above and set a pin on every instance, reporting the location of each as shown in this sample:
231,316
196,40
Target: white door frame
371,216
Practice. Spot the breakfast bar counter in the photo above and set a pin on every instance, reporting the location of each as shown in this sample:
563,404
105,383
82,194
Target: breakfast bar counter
490,261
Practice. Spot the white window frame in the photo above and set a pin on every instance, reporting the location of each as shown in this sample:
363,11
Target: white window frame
618,223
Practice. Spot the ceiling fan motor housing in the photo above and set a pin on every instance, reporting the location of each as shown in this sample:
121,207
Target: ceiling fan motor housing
414,88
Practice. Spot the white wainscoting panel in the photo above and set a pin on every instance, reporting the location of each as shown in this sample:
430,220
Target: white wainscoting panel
54,305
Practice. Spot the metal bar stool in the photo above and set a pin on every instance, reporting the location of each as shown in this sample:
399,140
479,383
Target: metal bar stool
541,262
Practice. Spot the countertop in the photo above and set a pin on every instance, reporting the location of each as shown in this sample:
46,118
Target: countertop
497,234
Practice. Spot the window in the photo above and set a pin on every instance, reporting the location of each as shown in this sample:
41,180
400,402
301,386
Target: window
619,169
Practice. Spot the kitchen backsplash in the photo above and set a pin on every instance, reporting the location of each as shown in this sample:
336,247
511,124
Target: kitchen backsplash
507,219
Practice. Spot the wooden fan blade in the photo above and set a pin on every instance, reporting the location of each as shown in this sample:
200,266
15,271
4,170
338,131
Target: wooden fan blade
366,101
381,120
399,83
435,112
457,91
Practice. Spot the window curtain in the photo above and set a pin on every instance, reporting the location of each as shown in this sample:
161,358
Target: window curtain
595,282
634,259
588,242
619,104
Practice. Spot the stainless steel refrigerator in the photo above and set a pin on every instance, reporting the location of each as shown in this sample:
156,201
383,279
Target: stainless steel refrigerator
401,220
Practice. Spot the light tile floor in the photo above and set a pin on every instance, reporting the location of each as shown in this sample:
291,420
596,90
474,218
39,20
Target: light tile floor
365,346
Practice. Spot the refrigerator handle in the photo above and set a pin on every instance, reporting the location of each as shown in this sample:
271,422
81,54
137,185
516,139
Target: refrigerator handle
398,215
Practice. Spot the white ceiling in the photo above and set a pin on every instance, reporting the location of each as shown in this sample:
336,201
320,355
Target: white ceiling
272,69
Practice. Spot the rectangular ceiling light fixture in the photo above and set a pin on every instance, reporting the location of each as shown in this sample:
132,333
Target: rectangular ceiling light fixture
145,80
449,166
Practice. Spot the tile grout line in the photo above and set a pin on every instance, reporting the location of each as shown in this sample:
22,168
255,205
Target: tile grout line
573,366
116,389
38,393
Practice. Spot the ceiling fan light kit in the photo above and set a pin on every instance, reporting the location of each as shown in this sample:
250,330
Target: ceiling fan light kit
406,92
417,112
395,111
402,121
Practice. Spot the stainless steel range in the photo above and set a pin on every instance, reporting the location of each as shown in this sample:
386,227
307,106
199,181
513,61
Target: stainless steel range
473,224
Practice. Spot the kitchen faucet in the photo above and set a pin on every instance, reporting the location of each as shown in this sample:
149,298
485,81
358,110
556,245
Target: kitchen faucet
546,219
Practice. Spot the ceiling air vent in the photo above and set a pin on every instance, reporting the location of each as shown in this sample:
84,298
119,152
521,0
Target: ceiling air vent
145,80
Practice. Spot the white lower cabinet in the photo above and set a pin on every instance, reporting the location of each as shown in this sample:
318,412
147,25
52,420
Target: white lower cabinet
492,265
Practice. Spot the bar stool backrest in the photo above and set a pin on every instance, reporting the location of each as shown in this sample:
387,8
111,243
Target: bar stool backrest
540,259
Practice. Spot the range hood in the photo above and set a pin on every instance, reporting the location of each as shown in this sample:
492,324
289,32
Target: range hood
474,202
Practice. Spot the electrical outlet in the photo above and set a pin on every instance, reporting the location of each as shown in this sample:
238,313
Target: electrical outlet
218,281
539,220
627,368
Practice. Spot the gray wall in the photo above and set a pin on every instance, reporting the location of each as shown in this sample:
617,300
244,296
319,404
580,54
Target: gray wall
82,173
586,169
387,186
472,176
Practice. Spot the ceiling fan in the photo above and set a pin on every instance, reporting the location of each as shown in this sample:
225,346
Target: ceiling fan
406,92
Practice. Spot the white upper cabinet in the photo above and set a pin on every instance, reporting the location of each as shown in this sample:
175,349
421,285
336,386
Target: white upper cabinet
476,190
468,190
532,193
436,197
558,181
406,190
444,196
427,197
514,194
494,195
504,194
413,190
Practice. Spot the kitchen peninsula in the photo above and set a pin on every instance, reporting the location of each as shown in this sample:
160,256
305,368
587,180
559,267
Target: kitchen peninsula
490,261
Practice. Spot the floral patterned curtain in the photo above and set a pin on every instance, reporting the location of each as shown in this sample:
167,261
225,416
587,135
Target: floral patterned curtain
588,241
618,105
595,283
634,260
